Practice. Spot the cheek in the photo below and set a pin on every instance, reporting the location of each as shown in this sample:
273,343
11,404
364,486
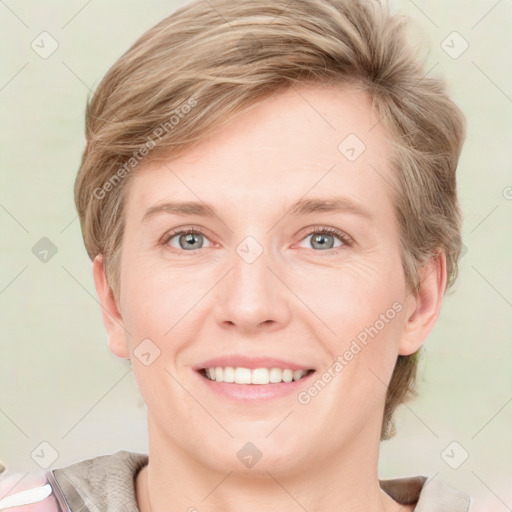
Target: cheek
358,312
156,298
362,359
352,296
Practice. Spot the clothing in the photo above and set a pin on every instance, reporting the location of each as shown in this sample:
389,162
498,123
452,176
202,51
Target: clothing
107,484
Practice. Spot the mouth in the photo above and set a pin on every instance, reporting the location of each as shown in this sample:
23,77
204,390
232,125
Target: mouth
253,377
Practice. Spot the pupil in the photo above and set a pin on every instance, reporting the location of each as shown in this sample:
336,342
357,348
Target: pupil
189,237
322,240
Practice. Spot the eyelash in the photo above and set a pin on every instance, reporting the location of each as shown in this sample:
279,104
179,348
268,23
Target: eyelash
347,241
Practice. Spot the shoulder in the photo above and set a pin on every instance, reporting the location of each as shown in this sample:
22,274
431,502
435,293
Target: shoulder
102,483
429,494
88,485
438,495
98,468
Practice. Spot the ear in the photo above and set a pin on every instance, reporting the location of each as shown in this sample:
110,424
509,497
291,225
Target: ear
111,315
423,305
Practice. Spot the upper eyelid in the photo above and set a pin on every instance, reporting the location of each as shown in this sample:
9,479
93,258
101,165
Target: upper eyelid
180,231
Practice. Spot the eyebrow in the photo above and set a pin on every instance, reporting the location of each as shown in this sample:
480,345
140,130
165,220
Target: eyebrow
301,207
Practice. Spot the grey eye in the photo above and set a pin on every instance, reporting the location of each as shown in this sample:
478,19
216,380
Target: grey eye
187,241
323,241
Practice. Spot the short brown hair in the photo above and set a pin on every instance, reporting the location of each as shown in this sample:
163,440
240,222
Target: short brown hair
189,74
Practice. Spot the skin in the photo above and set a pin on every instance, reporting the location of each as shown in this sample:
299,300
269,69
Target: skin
296,301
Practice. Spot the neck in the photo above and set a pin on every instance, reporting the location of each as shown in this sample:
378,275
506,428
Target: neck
175,480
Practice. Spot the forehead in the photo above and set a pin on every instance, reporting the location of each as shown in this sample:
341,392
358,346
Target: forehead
305,141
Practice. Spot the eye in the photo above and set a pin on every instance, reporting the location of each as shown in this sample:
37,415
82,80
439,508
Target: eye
189,239
323,238
185,239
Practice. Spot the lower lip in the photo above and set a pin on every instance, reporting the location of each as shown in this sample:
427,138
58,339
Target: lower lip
255,392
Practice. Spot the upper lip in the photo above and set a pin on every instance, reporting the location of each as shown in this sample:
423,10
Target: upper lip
251,363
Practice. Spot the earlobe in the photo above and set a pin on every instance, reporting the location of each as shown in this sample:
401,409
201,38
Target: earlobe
112,318
424,305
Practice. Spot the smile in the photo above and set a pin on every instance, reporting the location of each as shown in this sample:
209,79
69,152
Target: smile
258,376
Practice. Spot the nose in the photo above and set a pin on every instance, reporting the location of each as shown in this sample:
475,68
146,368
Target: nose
252,296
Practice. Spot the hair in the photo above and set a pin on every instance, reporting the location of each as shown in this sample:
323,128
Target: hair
187,76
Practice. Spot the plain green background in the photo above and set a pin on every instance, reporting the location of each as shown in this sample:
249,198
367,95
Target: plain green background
59,382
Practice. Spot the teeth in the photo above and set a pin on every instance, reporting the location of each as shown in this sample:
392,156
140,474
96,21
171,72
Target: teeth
257,376
227,374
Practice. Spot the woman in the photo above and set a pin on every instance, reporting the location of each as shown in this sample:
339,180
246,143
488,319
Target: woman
268,196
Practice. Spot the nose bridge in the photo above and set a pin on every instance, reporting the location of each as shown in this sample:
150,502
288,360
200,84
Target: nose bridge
252,294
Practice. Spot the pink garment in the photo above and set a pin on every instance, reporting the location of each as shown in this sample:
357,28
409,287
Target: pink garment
39,483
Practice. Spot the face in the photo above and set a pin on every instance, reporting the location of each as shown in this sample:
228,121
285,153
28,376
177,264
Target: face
317,288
